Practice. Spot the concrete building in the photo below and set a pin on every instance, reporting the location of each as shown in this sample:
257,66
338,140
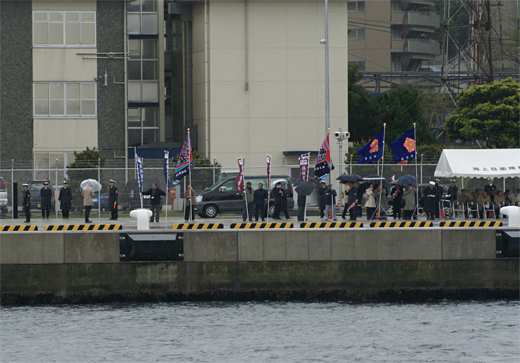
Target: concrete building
392,35
246,76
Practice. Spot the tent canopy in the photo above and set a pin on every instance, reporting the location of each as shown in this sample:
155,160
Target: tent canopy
479,163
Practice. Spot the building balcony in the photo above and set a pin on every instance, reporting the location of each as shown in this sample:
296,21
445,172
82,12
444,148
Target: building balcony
413,20
419,48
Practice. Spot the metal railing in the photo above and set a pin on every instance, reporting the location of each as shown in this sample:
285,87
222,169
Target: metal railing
204,177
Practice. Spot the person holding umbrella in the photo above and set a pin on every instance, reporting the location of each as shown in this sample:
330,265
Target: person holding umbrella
409,201
370,204
430,197
397,197
87,193
65,199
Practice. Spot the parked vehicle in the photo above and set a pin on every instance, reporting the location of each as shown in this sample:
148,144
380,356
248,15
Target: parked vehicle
36,200
222,196
3,196
129,196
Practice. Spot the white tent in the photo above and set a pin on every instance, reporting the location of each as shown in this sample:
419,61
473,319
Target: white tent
479,163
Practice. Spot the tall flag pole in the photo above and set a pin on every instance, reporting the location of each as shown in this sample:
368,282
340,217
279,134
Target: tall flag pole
416,183
382,167
166,171
268,162
140,177
304,176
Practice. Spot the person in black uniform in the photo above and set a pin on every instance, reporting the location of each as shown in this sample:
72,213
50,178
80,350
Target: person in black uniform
155,201
65,199
46,196
351,206
430,195
112,200
439,191
27,203
321,198
397,198
283,206
490,188
277,194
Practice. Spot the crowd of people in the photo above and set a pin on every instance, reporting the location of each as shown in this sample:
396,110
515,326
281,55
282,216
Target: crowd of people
478,203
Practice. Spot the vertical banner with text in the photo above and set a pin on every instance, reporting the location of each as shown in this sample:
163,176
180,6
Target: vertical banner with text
239,181
304,167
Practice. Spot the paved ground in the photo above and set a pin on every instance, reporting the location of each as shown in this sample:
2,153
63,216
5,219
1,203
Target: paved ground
131,224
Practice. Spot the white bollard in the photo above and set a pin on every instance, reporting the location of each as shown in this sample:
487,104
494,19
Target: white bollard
143,218
513,214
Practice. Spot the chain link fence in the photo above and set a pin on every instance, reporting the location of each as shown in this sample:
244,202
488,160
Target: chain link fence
201,178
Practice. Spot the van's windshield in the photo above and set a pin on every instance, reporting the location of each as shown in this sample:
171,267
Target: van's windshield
230,183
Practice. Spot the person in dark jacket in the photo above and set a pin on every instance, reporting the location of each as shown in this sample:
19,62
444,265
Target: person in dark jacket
283,207
321,198
430,195
397,199
65,199
439,191
490,188
302,201
277,194
27,203
155,201
453,191
351,205
330,202
112,200
260,196
46,197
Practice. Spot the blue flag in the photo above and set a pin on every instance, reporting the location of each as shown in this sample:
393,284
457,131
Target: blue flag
404,147
167,169
140,173
372,150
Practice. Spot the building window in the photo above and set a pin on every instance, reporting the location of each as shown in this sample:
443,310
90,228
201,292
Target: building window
143,59
142,17
360,64
356,6
143,125
356,33
56,99
397,34
397,6
64,29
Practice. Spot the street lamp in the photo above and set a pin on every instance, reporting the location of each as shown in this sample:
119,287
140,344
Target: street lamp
341,136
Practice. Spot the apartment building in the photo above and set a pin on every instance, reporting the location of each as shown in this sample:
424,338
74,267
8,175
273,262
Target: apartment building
392,35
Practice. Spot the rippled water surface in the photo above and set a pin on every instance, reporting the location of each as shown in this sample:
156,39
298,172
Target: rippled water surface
262,332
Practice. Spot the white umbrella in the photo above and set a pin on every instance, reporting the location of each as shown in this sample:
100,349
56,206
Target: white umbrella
95,185
282,181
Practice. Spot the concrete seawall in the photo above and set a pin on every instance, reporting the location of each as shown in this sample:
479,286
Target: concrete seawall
356,265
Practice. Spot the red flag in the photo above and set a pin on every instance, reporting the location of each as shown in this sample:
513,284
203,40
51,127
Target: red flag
239,181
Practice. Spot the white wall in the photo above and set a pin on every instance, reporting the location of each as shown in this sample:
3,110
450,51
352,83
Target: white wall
64,65
284,108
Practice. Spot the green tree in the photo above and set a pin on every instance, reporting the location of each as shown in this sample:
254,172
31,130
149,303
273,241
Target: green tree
488,112
400,109
88,158
363,115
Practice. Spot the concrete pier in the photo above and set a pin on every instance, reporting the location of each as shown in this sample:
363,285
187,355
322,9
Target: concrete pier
364,264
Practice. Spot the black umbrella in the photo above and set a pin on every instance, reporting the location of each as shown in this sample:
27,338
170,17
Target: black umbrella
375,179
354,178
305,188
406,179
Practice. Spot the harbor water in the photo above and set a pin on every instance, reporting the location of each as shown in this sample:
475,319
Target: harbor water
262,332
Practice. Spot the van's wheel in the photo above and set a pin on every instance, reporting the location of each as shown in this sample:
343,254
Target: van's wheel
210,211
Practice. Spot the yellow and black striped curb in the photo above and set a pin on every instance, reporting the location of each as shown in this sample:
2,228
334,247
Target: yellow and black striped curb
18,228
400,224
471,224
259,225
198,226
332,225
84,227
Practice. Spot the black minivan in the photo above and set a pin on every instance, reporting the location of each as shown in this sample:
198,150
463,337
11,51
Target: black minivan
222,196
